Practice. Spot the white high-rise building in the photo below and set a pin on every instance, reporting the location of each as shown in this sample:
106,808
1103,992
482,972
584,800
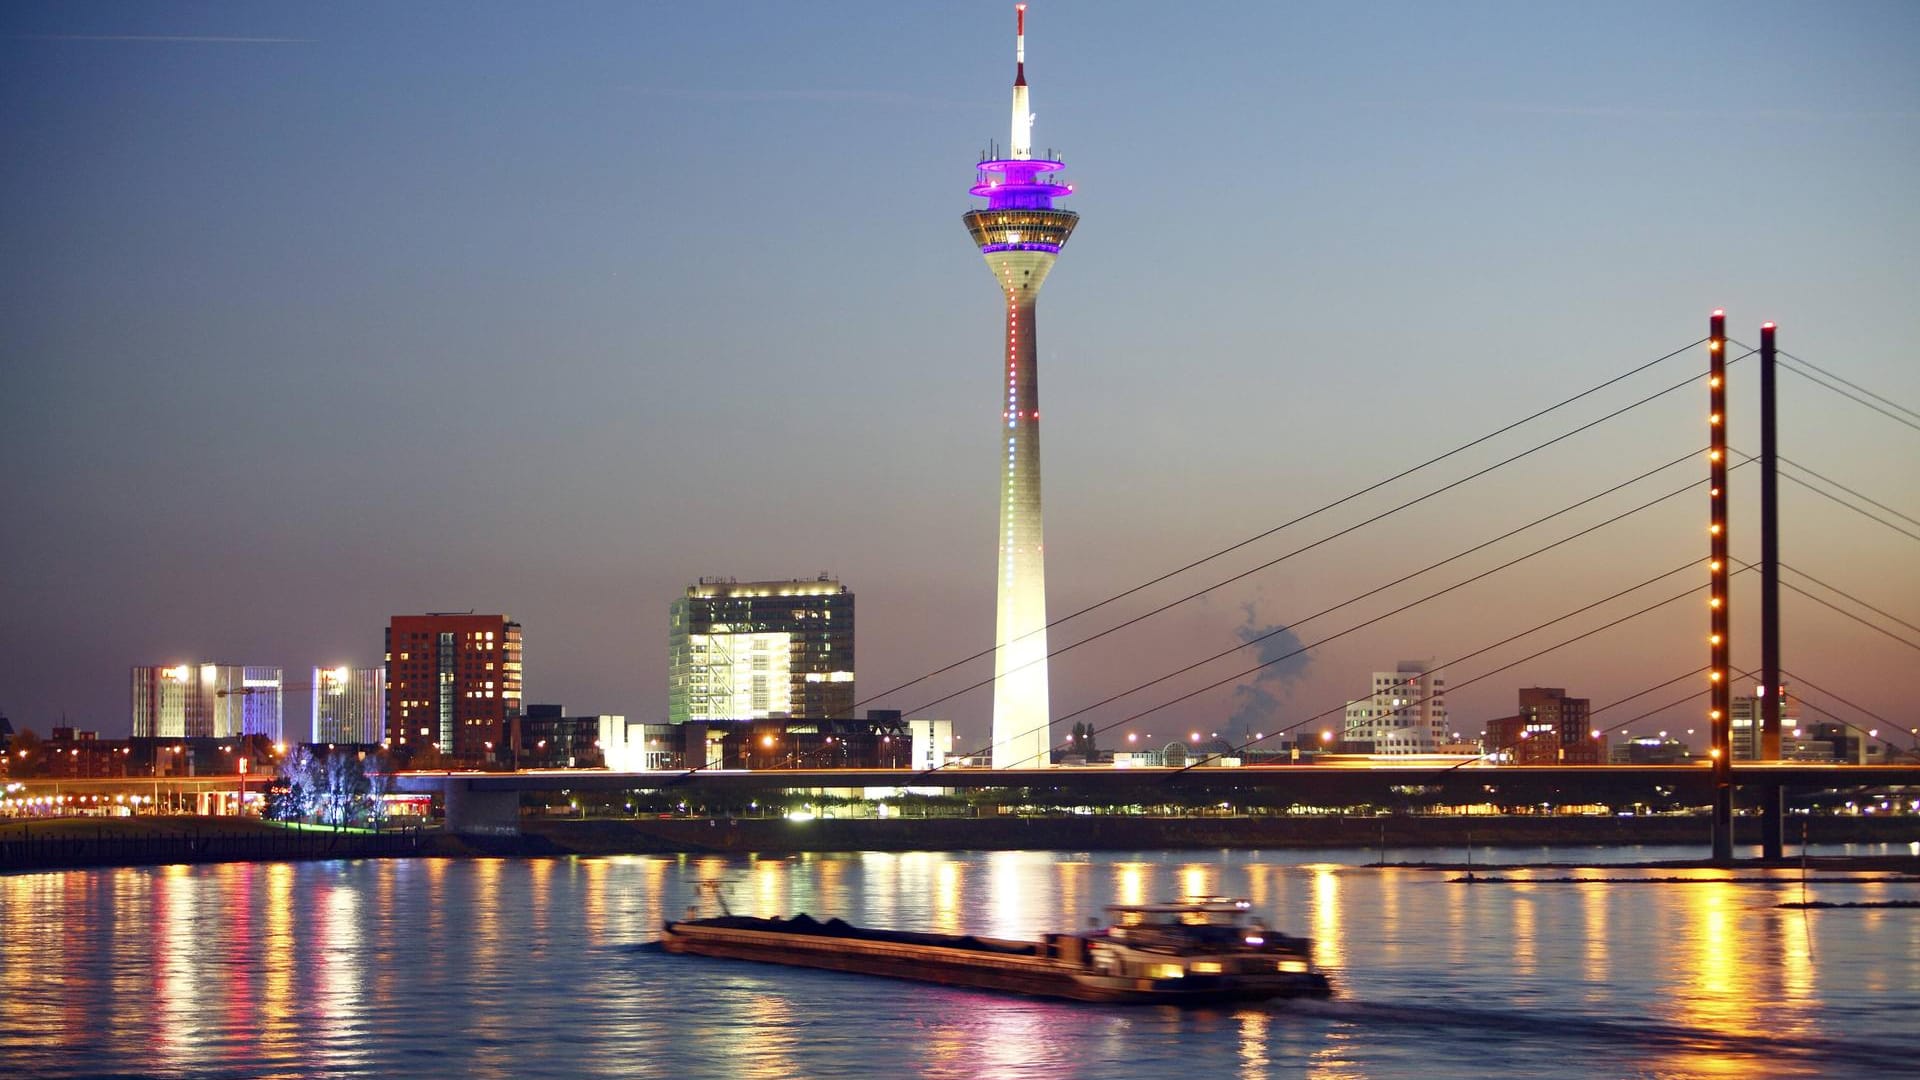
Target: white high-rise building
1020,234
198,701
349,705
1406,713
760,649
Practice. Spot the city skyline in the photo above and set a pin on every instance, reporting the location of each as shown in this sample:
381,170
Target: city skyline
586,342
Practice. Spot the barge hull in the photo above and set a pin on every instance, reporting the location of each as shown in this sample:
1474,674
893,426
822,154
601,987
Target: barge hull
979,970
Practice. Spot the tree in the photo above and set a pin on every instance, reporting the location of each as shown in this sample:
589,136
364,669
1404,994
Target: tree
342,787
379,771
290,797
29,754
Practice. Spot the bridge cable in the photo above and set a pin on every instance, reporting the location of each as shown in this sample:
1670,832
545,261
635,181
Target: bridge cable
1378,589
1849,596
1816,380
1803,361
1863,513
1910,519
1835,607
1418,499
1281,731
1295,521
1304,648
1484,754
1869,515
1689,564
1883,721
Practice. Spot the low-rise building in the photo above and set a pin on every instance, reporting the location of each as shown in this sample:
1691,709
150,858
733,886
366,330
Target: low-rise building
550,739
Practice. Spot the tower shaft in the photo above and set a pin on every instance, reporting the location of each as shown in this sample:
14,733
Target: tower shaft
1021,715
1020,234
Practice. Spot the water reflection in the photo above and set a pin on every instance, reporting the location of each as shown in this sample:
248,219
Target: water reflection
1073,876
1196,879
1594,952
341,967
1521,942
1018,893
276,1018
1329,947
949,895
1254,1059
532,968
178,1024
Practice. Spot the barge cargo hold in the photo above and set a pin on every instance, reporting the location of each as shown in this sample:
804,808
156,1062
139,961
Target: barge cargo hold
1190,952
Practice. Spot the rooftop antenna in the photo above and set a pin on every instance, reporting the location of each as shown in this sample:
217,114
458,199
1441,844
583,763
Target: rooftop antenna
1021,147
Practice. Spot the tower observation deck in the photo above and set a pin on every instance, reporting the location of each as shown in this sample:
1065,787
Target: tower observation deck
1020,234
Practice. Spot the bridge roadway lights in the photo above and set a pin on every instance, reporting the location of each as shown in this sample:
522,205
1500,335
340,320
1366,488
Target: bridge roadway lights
477,812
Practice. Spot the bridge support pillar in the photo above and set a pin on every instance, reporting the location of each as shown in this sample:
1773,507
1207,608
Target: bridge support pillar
1723,824
1773,825
1719,597
480,812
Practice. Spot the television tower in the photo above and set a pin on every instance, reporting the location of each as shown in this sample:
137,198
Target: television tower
1020,234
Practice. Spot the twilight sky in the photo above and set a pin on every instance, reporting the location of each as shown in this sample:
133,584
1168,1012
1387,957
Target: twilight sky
314,314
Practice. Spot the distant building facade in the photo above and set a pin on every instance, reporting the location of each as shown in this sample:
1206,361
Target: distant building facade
932,743
454,682
349,705
1405,714
206,701
1744,715
880,741
1550,729
760,650
634,746
550,739
1649,750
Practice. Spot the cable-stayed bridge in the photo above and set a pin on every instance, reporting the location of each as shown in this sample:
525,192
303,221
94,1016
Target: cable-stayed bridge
1667,593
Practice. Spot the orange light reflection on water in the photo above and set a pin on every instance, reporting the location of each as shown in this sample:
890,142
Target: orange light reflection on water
1717,978
1073,878
278,1033
1327,947
593,900
1012,912
1254,1059
1130,882
771,878
1525,928
341,957
949,896
1594,937
830,888
178,1028
1196,879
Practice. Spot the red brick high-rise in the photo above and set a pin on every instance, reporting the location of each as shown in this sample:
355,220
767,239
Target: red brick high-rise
1551,729
454,682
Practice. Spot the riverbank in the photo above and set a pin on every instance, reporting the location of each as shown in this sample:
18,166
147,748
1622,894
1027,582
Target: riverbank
71,843
85,842
1448,837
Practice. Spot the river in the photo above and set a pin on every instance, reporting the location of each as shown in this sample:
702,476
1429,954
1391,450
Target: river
543,968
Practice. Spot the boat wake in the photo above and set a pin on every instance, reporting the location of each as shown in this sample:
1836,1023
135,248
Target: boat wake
1497,1027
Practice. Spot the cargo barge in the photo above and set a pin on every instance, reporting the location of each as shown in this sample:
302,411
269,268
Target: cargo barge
1189,952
